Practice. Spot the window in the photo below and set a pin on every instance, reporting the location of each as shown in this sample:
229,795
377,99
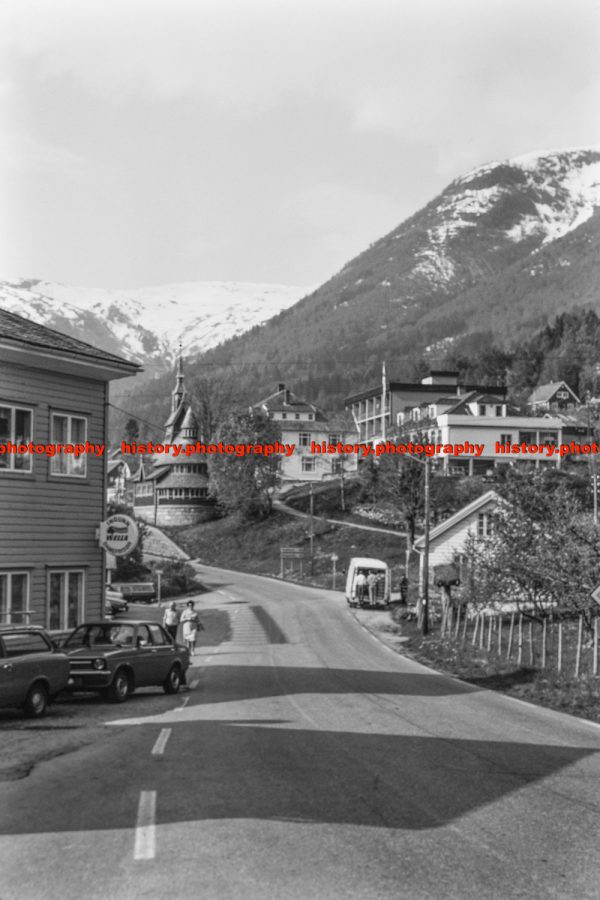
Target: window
311,416
16,428
527,437
284,415
158,635
14,596
304,439
485,524
65,598
548,437
337,466
24,643
143,636
308,464
481,409
498,410
68,430
506,438
335,438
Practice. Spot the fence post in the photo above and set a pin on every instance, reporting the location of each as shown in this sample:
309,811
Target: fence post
500,623
465,626
579,642
530,642
559,661
544,628
520,646
481,631
456,630
489,640
595,663
510,635
474,638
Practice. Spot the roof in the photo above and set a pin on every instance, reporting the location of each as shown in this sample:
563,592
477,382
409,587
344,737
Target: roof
463,513
365,562
543,393
168,478
322,426
415,387
473,397
33,336
286,401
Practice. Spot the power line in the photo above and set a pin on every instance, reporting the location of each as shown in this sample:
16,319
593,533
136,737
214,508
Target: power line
137,418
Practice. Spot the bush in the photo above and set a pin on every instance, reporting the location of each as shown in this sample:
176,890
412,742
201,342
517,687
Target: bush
177,578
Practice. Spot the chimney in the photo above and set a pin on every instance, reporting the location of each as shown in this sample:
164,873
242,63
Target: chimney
280,387
287,396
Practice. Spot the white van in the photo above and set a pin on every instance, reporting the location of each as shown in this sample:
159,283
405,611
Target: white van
380,593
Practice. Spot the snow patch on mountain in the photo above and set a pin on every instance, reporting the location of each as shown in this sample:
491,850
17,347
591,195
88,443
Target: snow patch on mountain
148,324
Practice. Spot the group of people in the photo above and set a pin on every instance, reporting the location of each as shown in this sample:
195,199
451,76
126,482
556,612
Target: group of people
189,621
366,585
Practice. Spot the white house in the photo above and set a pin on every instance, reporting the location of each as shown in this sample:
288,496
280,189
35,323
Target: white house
447,540
481,418
308,428
556,396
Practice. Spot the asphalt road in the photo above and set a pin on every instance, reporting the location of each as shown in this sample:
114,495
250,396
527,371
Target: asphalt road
309,761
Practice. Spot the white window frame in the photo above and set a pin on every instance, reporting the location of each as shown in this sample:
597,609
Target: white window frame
309,464
304,438
64,600
12,457
70,457
23,614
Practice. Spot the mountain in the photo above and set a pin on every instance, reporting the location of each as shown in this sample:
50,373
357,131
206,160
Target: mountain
149,323
504,247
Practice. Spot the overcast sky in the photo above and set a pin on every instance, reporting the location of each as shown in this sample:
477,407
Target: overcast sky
153,141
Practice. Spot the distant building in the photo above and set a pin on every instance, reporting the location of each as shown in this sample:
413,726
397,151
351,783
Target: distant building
378,411
173,490
118,475
53,390
552,398
304,424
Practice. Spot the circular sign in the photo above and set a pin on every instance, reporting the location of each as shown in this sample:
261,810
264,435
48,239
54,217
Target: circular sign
119,534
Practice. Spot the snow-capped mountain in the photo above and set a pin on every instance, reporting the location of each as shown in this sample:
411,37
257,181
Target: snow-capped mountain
148,324
503,248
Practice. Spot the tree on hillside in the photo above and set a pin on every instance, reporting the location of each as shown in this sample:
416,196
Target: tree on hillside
243,484
401,482
213,398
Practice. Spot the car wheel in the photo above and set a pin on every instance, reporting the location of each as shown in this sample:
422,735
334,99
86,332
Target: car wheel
36,702
173,680
120,687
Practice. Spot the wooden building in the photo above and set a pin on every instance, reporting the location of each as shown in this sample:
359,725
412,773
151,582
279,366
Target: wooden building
53,390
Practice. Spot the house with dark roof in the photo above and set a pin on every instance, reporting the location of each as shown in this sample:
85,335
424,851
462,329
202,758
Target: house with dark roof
554,397
53,391
307,427
173,490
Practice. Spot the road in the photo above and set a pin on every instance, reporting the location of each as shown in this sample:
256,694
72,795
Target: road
309,762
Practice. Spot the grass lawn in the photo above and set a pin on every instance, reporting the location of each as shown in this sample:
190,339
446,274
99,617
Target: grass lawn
254,547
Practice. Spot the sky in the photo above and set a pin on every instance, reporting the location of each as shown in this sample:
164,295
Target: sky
145,142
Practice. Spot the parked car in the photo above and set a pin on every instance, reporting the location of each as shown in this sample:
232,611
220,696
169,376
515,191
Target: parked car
114,603
32,669
115,658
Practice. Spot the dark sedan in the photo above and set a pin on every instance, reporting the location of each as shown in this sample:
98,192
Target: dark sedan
115,658
32,670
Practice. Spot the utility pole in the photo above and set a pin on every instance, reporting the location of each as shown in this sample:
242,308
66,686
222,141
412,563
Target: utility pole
424,598
342,493
312,529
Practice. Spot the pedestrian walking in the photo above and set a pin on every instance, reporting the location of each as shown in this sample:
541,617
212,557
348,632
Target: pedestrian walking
191,626
171,620
372,586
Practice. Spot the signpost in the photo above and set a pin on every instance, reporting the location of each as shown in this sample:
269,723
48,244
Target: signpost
596,595
334,559
291,554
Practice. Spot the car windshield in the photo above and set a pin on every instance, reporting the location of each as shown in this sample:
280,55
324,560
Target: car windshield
101,635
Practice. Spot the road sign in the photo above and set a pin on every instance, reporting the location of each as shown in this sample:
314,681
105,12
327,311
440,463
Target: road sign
596,594
334,557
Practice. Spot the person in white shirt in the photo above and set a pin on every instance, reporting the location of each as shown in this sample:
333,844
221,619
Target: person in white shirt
171,620
361,586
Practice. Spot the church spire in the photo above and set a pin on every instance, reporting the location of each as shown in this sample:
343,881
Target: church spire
179,390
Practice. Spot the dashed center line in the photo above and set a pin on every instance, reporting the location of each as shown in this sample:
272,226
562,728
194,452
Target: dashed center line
145,829
161,742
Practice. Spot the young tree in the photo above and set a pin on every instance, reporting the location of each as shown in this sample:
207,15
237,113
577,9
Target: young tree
243,484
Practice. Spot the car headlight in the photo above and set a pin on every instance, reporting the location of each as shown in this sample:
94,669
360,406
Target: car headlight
98,664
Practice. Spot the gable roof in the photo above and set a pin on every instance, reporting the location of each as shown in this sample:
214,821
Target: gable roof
461,514
543,393
286,401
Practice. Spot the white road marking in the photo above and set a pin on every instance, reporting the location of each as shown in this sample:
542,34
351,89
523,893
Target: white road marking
186,700
145,829
194,684
161,742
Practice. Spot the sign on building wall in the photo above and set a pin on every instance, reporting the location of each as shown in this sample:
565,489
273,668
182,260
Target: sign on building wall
119,534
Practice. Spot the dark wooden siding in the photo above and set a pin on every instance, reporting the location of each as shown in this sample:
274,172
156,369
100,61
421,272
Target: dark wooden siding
48,521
